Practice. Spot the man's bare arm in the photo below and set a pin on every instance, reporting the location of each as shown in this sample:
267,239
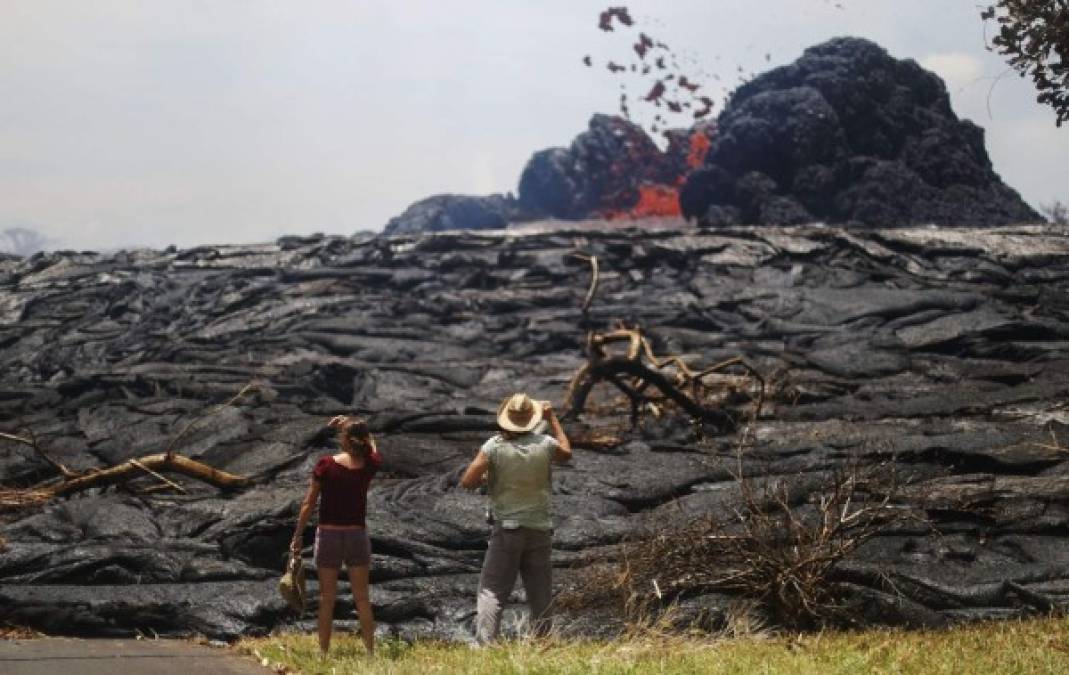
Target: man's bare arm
476,471
563,452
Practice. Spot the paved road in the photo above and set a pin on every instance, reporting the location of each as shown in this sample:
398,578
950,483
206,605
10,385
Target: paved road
68,656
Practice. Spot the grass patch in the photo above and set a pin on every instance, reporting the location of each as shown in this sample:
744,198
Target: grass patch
1033,646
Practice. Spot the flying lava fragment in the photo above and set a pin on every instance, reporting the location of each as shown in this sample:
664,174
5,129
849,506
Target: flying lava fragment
670,90
619,13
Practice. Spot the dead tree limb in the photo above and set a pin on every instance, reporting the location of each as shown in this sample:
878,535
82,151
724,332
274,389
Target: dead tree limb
635,397
32,442
702,394
13,499
252,386
17,498
594,280
166,482
614,366
70,481
161,462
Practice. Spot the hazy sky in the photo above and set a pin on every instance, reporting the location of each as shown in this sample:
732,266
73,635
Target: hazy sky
125,122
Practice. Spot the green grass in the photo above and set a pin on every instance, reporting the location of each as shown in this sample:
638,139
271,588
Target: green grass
1035,646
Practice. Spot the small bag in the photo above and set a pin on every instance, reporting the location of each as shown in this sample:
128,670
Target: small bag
291,585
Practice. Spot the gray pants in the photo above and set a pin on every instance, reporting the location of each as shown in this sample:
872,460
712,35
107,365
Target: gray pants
522,550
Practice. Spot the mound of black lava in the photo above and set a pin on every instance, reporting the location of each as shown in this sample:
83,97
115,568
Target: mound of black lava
848,134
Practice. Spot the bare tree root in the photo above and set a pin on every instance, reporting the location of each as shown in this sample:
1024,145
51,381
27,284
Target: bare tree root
705,395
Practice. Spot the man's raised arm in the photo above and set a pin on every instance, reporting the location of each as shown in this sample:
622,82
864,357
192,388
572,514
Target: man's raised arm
563,452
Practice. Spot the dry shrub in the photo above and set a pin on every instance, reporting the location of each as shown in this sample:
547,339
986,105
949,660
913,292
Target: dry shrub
777,548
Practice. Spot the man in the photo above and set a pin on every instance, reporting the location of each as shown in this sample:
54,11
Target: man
516,465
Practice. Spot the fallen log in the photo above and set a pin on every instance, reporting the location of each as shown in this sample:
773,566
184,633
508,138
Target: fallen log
161,462
13,499
75,481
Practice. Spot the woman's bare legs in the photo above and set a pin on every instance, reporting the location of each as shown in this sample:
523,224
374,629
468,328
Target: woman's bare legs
358,582
328,590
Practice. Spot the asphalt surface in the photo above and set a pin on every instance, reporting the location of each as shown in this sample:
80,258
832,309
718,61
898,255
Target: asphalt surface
43,656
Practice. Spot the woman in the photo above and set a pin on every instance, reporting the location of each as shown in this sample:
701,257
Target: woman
516,464
339,484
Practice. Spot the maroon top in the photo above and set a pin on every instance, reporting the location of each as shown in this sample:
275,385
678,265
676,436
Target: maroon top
343,491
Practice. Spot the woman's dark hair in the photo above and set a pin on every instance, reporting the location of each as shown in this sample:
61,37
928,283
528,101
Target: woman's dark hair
360,433
359,430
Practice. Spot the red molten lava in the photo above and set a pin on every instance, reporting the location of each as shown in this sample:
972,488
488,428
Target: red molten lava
699,148
646,182
653,200
656,200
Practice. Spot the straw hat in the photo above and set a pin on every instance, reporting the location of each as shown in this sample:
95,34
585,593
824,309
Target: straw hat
519,414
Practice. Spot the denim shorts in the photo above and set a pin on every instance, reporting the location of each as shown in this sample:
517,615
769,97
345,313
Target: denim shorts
351,547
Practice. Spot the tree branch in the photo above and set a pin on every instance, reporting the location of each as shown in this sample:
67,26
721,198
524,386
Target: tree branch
162,461
32,442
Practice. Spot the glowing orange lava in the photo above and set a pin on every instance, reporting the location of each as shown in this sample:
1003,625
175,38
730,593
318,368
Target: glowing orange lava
699,147
656,200
653,200
659,199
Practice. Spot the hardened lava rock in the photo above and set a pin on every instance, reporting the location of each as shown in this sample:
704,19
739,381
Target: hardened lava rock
944,349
